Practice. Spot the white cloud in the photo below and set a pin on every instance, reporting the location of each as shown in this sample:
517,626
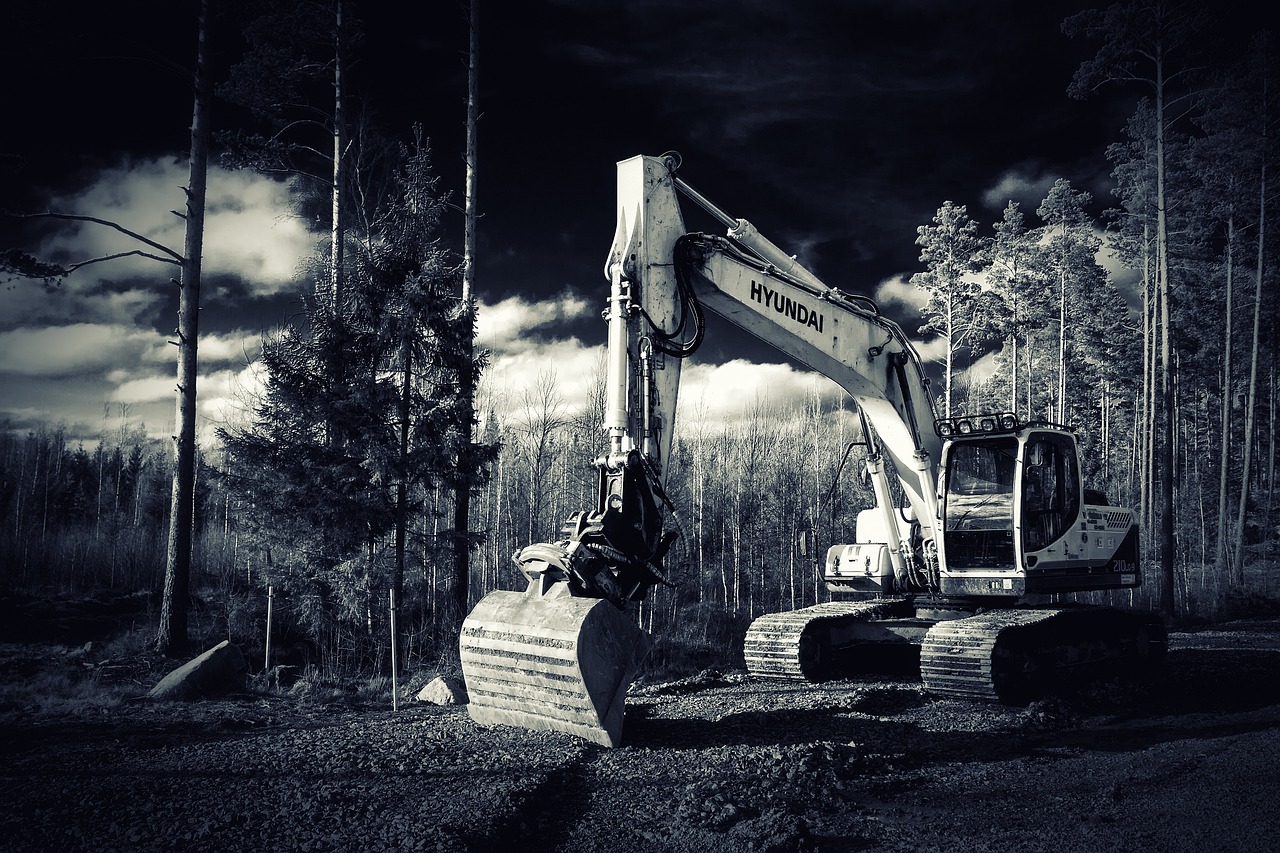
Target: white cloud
520,361
248,228
229,389
714,394
231,347
78,348
79,299
506,326
899,291
511,376
148,389
985,367
1127,279
75,369
250,232
1014,185
932,350
122,364
95,332
721,393
226,399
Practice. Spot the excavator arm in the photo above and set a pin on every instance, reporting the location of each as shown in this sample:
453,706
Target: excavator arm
749,281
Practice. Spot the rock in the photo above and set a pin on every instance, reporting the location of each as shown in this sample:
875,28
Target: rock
444,691
216,672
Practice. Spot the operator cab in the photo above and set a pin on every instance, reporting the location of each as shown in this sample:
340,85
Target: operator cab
1014,520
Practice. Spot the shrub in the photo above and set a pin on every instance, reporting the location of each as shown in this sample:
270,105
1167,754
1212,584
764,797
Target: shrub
1249,604
705,636
51,693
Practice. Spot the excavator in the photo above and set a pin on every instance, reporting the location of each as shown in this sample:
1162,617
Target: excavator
980,523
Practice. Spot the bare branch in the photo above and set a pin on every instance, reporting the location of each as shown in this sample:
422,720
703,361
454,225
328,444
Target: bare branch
275,137
73,267
315,151
76,217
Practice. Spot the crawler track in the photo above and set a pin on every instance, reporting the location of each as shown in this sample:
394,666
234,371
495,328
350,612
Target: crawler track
1011,656
1016,655
794,646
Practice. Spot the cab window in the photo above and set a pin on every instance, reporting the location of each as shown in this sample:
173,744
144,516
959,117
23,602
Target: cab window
980,485
1050,490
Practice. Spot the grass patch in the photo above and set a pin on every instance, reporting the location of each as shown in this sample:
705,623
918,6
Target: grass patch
314,689
706,636
57,694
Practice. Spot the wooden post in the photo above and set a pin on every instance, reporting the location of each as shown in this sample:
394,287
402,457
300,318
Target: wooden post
266,660
395,698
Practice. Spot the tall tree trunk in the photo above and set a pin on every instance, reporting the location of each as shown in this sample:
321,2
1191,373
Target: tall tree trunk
466,391
1028,381
950,364
337,235
1146,455
1104,409
1013,371
1166,376
172,639
1251,398
1271,449
402,484
1062,331
1221,556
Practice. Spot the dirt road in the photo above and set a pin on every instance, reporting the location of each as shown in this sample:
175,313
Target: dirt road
716,762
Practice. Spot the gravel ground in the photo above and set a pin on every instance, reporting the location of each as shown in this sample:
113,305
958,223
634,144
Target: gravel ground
714,762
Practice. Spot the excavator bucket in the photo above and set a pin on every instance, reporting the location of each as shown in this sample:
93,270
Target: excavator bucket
551,661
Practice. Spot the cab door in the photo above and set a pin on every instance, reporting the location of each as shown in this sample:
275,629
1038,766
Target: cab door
1050,494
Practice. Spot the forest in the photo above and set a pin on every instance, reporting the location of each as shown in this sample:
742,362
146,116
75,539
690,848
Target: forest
373,464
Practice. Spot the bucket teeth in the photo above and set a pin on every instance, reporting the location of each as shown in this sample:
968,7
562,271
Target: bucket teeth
550,662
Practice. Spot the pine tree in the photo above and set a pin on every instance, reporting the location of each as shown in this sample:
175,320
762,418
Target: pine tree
1017,276
1069,255
293,79
359,414
956,310
1146,42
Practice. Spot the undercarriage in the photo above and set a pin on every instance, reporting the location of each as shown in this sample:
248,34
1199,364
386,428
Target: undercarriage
1009,655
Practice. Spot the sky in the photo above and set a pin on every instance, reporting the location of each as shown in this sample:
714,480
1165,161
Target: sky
837,128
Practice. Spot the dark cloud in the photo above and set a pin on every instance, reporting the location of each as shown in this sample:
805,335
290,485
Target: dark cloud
837,127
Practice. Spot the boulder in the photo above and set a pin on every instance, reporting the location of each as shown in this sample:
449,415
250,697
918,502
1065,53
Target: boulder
444,691
218,671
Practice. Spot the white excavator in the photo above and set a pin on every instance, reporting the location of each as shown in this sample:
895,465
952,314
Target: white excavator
992,522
